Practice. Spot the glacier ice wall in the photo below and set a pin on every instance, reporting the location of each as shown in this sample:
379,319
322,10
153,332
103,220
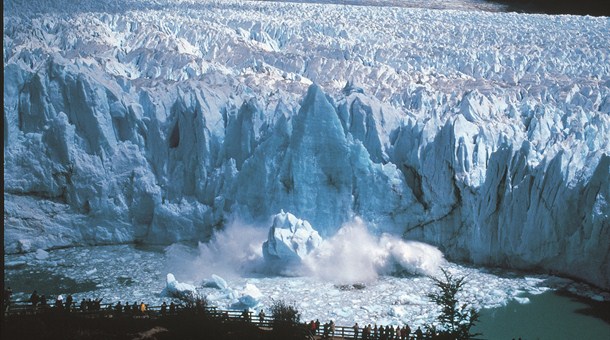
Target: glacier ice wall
485,134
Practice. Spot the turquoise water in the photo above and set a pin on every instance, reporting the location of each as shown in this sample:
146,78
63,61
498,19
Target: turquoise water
129,273
552,315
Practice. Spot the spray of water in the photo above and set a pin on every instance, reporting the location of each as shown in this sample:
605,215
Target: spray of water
232,252
353,255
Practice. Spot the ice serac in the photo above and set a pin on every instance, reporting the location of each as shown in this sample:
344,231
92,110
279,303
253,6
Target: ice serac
159,123
318,164
290,240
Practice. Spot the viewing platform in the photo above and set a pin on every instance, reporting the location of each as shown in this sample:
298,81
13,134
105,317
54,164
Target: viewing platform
266,323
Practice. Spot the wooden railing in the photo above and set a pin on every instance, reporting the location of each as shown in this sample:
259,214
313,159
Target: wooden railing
267,322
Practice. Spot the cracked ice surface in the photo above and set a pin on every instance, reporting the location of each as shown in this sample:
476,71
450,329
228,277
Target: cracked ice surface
484,134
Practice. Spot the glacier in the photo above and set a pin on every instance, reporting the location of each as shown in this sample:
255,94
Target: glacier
484,134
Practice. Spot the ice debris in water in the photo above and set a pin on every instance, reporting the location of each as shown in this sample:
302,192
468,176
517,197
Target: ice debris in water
176,289
314,297
250,295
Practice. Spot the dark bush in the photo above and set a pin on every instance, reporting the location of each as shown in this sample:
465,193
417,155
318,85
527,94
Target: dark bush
456,320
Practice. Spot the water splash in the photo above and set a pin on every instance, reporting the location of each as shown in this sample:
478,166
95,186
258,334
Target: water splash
354,255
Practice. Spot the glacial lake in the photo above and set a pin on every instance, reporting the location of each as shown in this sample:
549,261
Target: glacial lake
514,304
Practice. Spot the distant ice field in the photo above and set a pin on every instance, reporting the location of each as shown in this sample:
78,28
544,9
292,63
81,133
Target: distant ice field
128,274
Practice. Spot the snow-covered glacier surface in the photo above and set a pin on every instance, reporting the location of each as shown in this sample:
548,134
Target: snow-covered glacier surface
484,134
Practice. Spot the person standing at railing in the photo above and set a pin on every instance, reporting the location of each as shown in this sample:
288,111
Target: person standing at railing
69,300
59,303
142,309
118,309
43,301
261,317
365,333
34,298
407,330
356,330
172,308
164,309
419,334
6,298
317,326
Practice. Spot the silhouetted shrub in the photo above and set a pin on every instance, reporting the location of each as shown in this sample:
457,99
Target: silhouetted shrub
456,320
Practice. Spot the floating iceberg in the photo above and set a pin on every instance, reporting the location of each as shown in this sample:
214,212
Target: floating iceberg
250,296
179,290
290,239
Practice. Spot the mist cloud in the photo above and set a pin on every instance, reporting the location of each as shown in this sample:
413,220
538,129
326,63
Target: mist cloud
353,255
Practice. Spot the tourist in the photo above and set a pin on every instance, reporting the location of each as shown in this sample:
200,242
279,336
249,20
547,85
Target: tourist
407,330
34,299
365,333
356,330
418,333
317,326
118,309
261,317
6,298
164,309
331,328
246,315
172,308
59,302
142,308
69,300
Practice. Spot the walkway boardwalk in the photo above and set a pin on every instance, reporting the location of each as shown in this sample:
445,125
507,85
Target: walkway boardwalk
155,312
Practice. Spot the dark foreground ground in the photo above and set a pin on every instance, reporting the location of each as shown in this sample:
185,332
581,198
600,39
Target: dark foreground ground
61,326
